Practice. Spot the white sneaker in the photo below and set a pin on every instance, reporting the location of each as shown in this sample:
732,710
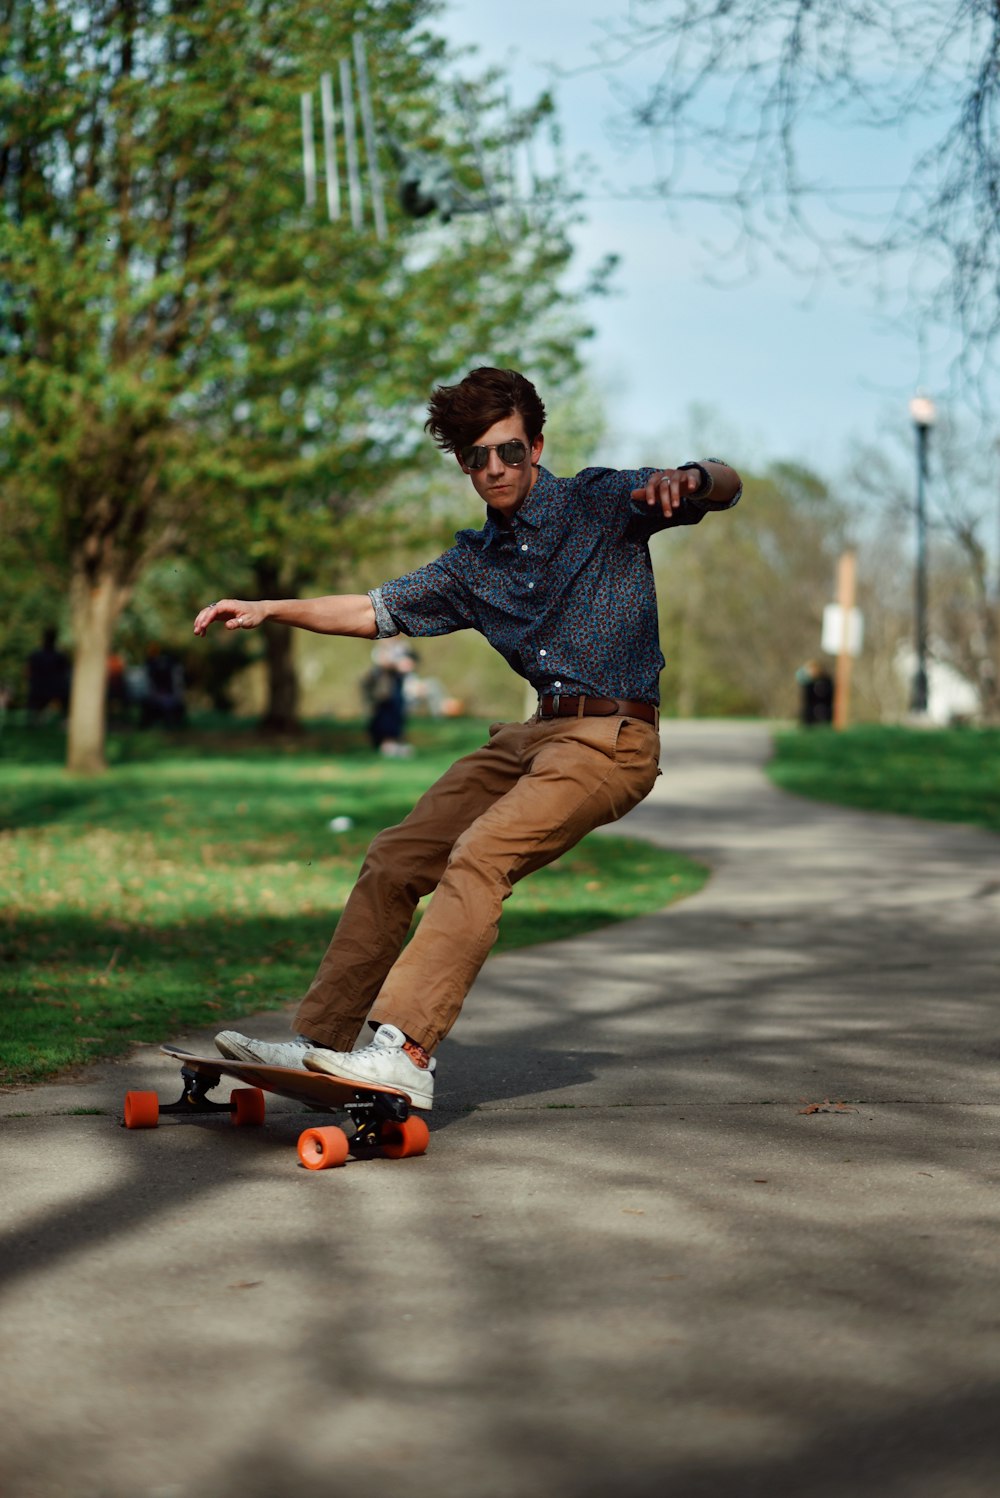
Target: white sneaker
274,1053
384,1063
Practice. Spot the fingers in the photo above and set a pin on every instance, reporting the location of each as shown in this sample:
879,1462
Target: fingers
668,488
204,618
236,613
246,618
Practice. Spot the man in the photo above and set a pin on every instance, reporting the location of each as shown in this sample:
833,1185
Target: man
559,581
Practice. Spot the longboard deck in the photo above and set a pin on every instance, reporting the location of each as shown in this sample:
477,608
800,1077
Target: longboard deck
314,1088
380,1115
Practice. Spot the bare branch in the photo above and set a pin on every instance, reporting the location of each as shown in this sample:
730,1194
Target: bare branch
740,87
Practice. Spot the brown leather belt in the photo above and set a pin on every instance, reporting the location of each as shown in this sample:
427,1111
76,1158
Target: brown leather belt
551,706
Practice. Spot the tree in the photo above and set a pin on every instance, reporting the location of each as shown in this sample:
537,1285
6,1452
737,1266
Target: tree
32,587
964,601
188,352
321,469
742,596
738,87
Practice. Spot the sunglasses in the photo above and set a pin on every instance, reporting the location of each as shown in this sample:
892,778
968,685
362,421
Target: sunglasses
510,453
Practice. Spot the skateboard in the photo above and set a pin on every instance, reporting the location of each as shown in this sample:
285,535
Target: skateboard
380,1115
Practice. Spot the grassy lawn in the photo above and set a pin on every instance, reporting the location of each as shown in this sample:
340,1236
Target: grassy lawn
199,880
947,774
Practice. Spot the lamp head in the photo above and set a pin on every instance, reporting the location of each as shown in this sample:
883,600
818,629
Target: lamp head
923,411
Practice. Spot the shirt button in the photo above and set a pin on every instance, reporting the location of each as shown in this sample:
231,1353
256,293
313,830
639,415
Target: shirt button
524,545
531,585
557,683
543,652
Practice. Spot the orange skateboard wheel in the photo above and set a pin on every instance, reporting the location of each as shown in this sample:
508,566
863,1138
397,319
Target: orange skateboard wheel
142,1110
246,1106
319,1149
398,1140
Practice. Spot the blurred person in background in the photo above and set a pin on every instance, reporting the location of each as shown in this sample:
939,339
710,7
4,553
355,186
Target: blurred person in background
49,674
384,689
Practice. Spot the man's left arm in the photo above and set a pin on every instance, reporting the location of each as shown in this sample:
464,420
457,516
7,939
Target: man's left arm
709,484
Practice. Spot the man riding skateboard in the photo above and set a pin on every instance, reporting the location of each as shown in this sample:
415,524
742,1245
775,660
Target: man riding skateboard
559,581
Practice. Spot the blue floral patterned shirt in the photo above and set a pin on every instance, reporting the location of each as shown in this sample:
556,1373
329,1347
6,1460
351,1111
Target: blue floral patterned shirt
565,593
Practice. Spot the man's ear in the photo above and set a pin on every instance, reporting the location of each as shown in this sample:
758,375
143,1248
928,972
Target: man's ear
536,449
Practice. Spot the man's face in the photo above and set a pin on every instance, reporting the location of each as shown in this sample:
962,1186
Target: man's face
502,485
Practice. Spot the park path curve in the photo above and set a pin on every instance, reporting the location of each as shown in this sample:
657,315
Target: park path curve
833,950
631,1262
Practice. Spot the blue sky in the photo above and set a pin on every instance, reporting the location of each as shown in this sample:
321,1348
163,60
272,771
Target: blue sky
793,370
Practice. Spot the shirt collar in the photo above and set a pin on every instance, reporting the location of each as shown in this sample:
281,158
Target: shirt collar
532,512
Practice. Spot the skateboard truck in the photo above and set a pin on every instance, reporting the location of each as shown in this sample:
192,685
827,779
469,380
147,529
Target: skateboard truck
194,1099
369,1114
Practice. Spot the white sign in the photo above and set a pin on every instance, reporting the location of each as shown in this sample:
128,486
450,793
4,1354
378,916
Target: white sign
840,633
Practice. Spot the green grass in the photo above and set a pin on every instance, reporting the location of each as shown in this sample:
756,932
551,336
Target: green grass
947,774
199,881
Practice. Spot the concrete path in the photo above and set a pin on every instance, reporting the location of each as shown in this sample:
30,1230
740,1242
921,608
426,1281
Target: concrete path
633,1262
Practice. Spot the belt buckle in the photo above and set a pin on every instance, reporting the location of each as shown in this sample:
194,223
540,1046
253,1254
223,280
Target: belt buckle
556,699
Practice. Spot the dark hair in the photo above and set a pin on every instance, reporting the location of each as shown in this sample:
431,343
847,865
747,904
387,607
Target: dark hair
461,413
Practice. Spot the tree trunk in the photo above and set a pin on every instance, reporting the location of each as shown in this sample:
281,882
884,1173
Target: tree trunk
95,607
989,675
282,714
688,647
981,646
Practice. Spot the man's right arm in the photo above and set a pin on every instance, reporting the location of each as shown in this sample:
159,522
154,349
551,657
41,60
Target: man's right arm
337,614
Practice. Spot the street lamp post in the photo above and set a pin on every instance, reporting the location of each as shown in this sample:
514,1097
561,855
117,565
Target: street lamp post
923,413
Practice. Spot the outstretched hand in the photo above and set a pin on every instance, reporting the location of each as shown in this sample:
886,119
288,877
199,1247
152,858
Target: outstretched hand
236,613
667,488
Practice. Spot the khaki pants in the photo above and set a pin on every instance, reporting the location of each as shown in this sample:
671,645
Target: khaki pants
509,808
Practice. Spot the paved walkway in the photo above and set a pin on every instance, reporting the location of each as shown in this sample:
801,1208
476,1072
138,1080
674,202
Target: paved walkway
631,1263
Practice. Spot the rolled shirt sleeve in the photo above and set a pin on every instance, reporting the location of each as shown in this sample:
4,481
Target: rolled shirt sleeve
430,601
383,619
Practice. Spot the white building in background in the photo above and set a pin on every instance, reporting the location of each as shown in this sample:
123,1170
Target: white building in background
951,698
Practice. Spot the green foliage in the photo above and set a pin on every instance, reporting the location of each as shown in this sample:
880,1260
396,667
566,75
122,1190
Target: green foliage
193,360
202,880
742,596
946,774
